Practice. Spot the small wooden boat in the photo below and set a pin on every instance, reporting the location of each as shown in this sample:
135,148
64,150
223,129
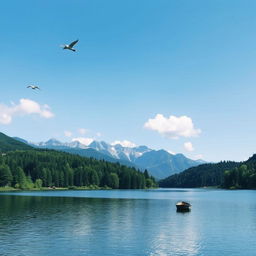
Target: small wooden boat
183,206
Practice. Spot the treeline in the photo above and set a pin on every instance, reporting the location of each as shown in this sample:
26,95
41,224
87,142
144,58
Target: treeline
204,175
48,168
242,177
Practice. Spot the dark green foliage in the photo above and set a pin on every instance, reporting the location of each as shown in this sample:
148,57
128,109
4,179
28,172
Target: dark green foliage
146,174
5,175
47,168
114,180
125,179
9,144
38,183
200,176
241,177
19,178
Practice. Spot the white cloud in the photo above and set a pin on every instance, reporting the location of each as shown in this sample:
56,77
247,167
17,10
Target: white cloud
172,127
82,131
124,143
67,133
25,107
84,141
98,134
188,146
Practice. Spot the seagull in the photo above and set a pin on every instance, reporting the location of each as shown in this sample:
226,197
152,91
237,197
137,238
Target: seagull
70,46
34,87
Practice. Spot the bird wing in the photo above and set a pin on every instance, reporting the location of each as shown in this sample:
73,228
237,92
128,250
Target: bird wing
29,86
36,87
73,43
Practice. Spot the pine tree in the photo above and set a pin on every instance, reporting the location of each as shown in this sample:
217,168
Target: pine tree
5,175
114,180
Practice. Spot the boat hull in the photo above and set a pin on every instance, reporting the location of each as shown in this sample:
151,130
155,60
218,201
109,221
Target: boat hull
183,207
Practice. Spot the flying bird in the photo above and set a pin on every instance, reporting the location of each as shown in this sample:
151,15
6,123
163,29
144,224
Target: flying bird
34,87
70,46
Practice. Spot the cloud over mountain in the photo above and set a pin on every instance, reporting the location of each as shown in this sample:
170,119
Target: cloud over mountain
172,127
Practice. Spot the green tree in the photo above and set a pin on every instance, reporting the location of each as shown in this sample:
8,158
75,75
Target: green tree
114,180
66,172
146,174
48,178
20,178
149,183
94,178
44,177
125,180
61,179
29,183
105,180
5,175
38,183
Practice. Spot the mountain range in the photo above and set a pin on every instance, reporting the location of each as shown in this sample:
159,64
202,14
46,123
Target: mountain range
159,163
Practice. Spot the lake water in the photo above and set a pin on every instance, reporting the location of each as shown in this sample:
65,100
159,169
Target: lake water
128,222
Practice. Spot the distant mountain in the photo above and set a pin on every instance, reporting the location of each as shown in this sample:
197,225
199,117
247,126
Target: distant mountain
9,144
162,164
204,175
118,151
159,163
55,143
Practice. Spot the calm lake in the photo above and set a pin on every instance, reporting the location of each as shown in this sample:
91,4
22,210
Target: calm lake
128,222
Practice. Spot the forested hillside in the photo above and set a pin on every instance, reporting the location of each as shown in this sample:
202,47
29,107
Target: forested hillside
241,177
200,176
26,169
9,144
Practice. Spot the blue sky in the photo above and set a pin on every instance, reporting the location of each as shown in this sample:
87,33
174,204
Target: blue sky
134,60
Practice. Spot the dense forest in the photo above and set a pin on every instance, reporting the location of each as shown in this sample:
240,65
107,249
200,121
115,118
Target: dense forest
241,177
204,175
48,168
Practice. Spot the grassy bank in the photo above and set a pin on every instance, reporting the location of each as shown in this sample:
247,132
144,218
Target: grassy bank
5,189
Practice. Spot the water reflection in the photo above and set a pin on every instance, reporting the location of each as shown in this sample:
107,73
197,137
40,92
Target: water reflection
42,226
177,236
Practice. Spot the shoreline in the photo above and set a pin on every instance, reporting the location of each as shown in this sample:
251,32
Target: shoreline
11,189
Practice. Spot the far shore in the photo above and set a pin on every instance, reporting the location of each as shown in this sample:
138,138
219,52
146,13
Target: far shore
12,189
